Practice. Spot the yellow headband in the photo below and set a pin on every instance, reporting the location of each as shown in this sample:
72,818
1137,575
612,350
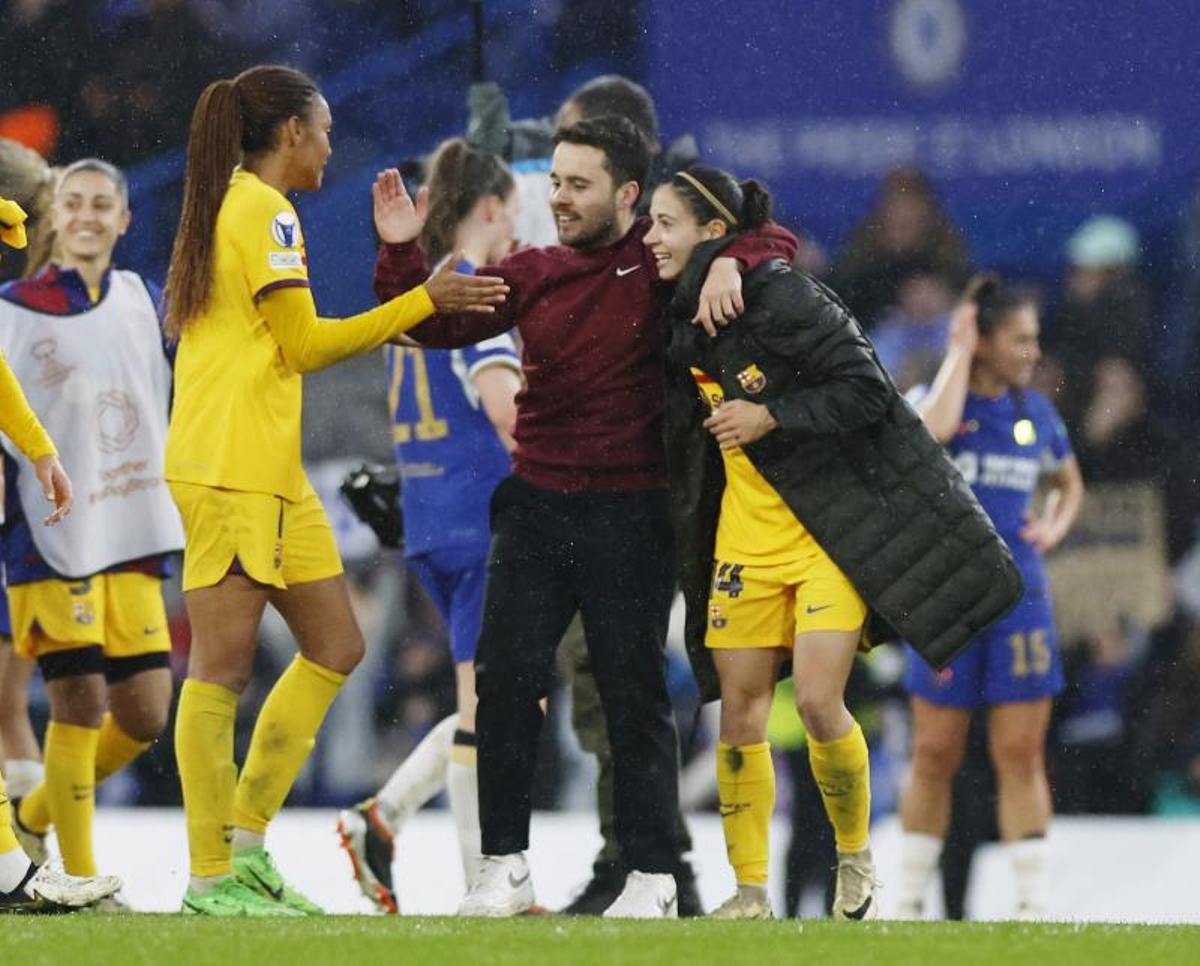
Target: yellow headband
708,196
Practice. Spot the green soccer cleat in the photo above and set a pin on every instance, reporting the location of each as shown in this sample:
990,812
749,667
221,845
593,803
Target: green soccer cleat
256,870
230,897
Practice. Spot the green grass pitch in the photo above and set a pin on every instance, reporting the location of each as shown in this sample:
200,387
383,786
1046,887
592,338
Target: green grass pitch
163,940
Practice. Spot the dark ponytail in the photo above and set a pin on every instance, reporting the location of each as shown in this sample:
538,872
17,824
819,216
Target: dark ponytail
756,204
232,119
995,301
459,175
713,194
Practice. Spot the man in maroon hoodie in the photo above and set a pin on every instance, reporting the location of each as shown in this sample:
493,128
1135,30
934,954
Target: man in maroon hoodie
582,525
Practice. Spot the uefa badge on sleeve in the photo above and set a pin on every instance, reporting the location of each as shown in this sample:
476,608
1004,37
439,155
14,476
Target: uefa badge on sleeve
285,229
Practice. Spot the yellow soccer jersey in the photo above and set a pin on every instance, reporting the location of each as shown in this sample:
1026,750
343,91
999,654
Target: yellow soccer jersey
756,526
236,418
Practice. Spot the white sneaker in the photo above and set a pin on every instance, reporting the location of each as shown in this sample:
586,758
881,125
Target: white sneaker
854,898
502,887
647,895
51,885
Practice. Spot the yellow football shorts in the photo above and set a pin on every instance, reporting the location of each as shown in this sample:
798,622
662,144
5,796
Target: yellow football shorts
122,614
757,606
271,540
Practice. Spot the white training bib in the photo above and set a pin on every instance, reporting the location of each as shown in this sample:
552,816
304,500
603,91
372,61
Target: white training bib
101,385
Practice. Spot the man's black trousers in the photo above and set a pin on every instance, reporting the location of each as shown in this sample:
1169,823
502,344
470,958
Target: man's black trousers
609,557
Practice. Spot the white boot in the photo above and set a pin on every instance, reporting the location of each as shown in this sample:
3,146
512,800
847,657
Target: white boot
52,888
502,887
854,897
919,857
647,895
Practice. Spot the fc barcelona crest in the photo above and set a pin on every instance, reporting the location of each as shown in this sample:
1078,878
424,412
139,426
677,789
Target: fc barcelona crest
752,380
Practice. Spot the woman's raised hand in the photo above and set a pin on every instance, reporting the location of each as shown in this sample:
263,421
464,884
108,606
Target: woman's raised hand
454,292
397,217
964,328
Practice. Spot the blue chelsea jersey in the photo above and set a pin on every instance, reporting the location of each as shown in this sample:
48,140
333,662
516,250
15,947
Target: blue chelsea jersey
1002,448
449,454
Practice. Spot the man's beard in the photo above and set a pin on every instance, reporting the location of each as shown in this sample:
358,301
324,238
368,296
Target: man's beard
602,233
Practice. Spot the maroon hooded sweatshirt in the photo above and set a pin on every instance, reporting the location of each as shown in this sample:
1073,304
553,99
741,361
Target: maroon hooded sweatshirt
589,419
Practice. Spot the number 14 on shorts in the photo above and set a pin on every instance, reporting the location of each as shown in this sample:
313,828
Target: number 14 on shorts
729,579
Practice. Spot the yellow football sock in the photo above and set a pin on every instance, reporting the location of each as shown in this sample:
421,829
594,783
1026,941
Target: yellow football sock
284,736
71,792
8,841
746,784
34,810
114,750
204,751
843,773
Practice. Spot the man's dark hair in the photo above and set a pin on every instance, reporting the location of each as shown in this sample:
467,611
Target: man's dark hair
613,94
626,155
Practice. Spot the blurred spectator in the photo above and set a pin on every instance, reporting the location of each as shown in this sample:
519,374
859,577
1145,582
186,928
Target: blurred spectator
47,44
910,339
256,30
1106,309
1091,757
1140,514
1120,440
140,83
906,230
1181,347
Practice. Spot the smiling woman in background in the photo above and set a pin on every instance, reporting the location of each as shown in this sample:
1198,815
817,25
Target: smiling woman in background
85,338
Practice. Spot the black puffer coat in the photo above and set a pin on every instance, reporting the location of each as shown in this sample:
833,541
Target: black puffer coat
851,458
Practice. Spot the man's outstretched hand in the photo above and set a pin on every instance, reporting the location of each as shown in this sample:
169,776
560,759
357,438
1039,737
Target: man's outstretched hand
452,291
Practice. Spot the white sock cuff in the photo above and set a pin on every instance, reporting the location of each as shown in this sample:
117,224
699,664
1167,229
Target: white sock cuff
1029,851
1031,870
420,776
919,849
919,854
462,786
14,866
245,839
23,775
